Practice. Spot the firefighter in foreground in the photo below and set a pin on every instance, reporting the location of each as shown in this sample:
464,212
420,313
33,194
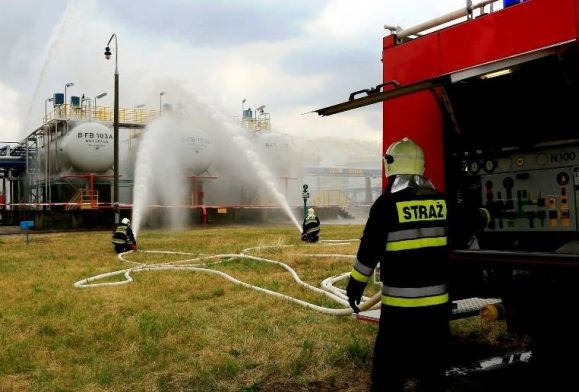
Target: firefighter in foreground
406,232
311,227
123,237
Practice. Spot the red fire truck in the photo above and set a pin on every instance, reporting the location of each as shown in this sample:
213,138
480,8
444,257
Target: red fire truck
494,102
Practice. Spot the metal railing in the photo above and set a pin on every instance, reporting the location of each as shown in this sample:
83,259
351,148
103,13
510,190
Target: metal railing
100,113
83,199
259,123
328,198
465,12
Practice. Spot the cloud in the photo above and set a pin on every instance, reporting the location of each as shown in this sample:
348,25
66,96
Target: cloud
215,23
26,26
10,119
292,56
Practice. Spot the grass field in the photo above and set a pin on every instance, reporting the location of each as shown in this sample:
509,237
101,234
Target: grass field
178,330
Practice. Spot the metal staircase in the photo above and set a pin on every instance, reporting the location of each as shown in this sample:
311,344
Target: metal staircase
83,199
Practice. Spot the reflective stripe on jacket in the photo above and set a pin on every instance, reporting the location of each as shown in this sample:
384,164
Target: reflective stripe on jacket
311,225
407,233
120,235
421,237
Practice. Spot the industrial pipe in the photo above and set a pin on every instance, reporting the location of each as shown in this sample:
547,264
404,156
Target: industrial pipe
462,12
204,219
10,158
492,312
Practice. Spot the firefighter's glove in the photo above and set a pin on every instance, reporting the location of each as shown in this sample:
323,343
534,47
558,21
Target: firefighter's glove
354,291
304,237
134,247
484,217
486,214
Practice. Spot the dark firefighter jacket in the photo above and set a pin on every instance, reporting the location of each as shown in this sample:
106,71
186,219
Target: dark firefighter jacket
123,235
407,233
311,226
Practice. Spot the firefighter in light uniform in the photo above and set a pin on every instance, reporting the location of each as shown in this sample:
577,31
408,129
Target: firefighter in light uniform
311,227
406,232
123,237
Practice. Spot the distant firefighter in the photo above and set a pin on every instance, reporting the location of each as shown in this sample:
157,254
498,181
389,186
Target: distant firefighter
311,227
123,237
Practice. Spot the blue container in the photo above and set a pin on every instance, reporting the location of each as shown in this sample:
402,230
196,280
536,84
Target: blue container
508,3
58,98
26,225
75,101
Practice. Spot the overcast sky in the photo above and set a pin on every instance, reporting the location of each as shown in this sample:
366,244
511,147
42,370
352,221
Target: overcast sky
293,56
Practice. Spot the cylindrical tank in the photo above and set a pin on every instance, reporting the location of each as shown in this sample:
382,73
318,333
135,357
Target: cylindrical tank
176,147
277,152
88,147
196,149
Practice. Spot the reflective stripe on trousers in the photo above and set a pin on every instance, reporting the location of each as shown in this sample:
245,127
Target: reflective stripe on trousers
410,297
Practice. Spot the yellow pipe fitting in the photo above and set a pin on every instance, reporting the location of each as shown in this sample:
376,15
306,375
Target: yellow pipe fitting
492,312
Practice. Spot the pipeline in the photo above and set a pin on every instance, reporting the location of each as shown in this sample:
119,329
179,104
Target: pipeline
449,17
129,205
200,264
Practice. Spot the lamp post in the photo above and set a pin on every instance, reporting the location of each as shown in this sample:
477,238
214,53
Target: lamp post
98,97
260,110
65,105
115,129
160,103
85,110
138,115
257,122
45,108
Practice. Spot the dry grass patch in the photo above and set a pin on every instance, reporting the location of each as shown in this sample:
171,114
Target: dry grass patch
176,330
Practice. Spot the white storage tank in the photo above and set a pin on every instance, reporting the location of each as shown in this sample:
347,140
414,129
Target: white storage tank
278,153
170,145
196,150
88,147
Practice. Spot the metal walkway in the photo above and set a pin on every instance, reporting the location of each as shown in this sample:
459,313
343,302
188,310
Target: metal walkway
462,308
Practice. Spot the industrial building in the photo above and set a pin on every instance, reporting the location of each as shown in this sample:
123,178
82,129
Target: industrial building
61,174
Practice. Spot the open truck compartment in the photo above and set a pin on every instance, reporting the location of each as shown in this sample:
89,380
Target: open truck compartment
494,101
512,146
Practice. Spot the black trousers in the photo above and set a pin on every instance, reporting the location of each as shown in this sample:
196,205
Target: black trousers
411,343
120,248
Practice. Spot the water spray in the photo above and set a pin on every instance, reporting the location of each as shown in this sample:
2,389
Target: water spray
157,174
160,175
50,52
237,134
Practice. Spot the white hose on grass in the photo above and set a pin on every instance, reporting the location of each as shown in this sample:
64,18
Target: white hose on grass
336,294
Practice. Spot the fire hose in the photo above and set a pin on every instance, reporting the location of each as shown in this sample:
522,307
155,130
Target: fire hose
200,264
